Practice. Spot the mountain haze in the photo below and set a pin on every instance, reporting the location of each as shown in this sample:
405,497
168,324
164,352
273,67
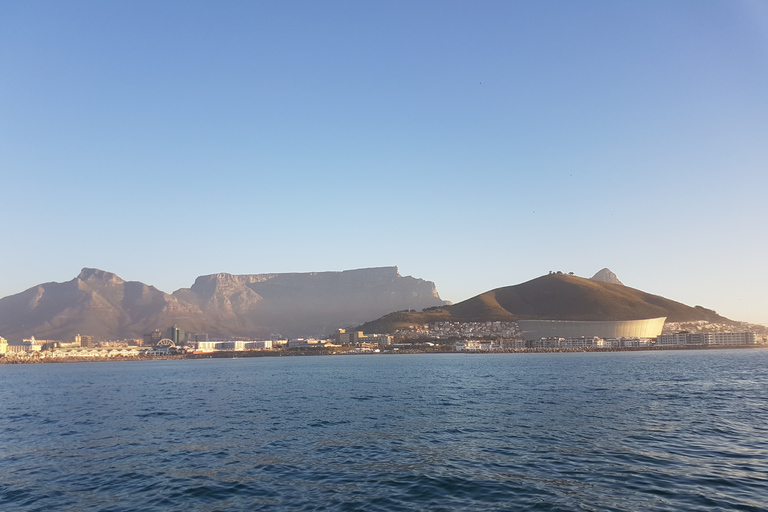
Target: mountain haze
103,305
296,304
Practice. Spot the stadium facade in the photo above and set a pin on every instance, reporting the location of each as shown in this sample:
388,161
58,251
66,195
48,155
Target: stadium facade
537,329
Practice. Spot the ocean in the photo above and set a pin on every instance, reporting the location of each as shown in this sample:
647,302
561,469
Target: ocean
618,431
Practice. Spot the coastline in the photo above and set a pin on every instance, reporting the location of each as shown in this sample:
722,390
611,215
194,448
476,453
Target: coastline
300,353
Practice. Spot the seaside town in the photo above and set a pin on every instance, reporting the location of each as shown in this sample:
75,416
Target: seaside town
434,337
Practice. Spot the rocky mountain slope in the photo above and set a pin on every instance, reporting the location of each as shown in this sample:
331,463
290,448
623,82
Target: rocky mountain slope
103,305
553,297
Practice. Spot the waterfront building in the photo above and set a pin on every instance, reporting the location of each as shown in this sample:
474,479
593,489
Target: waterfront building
102,352
176,335
358,337
632,342
3,345
306,343
153,338
232,345
672,340
731,338
85,341
258,345
205,346
32,345
347,338
301,343
589,342
706,338
476,346
581,342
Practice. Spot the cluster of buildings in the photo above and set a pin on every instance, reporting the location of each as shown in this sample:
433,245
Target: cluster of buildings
81,347
448,330
359,338
575,335
704,326
175,341
30,345
452,330
465,336
231,345
709,339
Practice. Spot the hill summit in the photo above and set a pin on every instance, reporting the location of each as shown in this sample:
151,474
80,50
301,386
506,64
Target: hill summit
556,296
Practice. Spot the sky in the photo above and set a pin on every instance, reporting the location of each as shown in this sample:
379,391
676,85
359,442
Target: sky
473,144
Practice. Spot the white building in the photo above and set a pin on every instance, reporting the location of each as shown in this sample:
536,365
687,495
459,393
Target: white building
357,337
306,343
476,346
232,346
707,338
258,345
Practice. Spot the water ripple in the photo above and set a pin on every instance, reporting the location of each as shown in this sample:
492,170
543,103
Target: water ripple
596,432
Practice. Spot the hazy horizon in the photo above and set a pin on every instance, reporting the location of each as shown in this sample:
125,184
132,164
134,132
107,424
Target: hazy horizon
472,145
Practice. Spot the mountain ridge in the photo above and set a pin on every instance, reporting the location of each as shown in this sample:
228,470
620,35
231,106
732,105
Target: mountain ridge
102,304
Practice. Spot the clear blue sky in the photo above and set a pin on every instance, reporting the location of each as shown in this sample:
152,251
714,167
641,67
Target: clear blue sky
473,144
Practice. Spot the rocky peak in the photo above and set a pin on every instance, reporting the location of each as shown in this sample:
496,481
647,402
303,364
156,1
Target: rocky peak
606,276
217,284
94,275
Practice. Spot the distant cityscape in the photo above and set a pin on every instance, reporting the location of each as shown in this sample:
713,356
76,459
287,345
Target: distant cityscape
438,336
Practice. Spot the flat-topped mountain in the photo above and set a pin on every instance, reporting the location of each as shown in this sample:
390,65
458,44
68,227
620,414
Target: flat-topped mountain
553,297
299,304
103,305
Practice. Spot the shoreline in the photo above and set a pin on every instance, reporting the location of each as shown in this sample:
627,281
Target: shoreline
302,353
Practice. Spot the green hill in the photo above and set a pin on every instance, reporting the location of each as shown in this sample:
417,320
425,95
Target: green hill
552,297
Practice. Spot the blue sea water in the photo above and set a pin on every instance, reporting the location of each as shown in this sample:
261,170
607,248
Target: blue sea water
673,430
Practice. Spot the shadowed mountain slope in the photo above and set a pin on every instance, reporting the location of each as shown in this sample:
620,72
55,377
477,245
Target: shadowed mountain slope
553,297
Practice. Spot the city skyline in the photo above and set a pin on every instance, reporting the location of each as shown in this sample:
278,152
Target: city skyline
472,145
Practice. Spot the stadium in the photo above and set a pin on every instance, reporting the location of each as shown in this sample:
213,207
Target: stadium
646,328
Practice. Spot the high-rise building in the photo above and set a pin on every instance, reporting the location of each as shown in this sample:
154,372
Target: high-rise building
152,338
176,335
